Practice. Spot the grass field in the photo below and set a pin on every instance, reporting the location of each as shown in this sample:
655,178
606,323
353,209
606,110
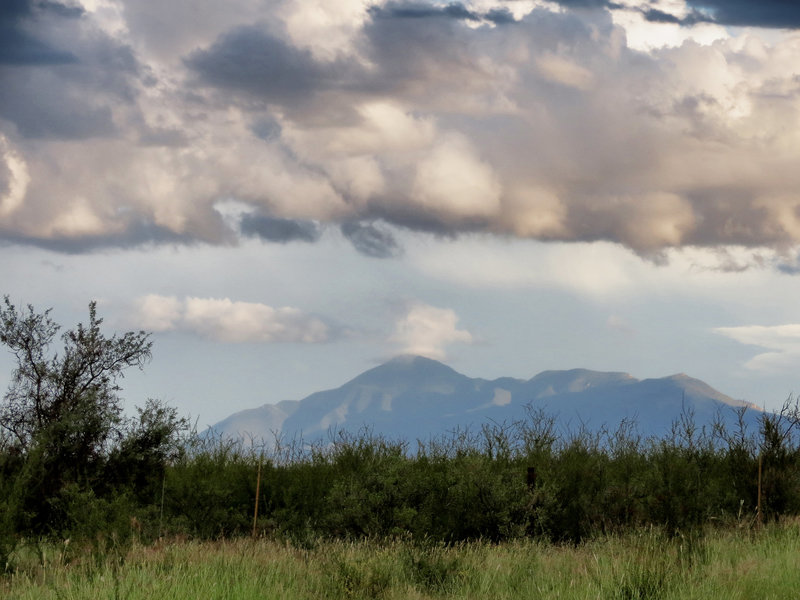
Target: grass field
733,564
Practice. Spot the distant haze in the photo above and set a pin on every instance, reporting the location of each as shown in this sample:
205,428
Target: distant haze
412,397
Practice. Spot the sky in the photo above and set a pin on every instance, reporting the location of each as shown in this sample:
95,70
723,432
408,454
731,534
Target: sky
289,192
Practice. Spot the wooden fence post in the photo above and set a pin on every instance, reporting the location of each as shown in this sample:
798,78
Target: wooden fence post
258,490
758,509
531,478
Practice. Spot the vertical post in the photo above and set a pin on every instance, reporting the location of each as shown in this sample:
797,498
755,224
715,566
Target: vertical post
531,478
161,513
258,490
758,510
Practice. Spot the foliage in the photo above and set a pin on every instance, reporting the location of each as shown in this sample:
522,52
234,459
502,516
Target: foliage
71,463
474,485
72,397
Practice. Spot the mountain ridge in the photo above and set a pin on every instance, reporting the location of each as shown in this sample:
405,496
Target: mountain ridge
415,397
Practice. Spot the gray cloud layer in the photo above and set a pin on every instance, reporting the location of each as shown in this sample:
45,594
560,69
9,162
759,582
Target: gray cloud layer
780,14
441,118
372,240
59,74
19,45
783,14
279,230
259,63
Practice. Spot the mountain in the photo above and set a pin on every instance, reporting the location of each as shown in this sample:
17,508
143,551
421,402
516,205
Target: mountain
256,423
412,397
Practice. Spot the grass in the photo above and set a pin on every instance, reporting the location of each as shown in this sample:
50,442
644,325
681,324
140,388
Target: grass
730,564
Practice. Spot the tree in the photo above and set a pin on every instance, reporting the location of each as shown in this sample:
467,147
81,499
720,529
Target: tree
151,442
78,387
62,416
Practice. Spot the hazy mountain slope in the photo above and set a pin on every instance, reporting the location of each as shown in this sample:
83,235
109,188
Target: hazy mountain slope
396,398
654,404
415,398
257,423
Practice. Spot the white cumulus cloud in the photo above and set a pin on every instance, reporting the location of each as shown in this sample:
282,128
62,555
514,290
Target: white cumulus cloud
782,343
227,320
425,330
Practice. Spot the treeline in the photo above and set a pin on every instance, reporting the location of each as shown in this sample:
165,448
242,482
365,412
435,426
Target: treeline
73,467
496,483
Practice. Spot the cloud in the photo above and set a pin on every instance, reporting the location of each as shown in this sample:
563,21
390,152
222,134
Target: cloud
453,182
164,32
454,10
14,179
588,3
19,44
229,321
371,240
264,66
52,116
565,72
426,330
419,115
782,341
693,17
158,313
780,14
789,265
598,270
61,75
279,230
617,324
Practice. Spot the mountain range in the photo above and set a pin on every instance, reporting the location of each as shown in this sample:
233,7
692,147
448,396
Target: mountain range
412,397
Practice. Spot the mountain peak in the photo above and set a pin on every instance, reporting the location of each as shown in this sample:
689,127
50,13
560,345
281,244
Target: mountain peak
411,360
680,377
408,366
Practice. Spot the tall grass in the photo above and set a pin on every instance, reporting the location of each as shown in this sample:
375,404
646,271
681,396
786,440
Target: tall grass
738,564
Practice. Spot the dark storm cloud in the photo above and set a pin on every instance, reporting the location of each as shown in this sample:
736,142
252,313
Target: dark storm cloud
275,229
371,240
19,45
588,4
781,14
14,9
453,10
136,235
500,16
61,77
62,10
257,62
267,129
658,16
20,48
47,115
